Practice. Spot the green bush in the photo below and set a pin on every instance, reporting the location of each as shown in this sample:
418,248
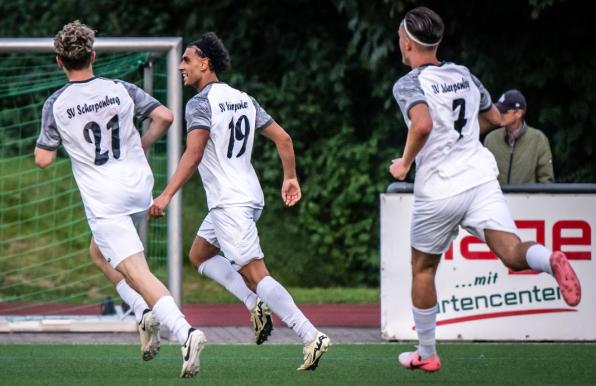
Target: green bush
325,70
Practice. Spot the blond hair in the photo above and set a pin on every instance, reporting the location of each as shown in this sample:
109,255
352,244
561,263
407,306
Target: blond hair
74,45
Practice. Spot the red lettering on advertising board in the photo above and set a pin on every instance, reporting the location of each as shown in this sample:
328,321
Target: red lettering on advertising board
449,253
559,241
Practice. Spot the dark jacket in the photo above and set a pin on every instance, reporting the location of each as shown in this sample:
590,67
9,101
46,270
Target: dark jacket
529,160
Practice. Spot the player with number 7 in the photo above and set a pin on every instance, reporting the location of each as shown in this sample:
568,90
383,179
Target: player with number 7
445,108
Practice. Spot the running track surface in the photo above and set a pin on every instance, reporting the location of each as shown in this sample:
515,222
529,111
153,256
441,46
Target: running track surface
334,315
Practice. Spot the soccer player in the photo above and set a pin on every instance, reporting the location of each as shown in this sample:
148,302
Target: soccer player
456,177
92,118
221,124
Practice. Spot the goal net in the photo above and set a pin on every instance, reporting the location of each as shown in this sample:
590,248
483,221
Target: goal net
47,280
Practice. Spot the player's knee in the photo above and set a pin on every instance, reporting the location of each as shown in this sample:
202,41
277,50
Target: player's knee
251,283
134,279
424,269
200,253
135,276
420,276
252,279
195,259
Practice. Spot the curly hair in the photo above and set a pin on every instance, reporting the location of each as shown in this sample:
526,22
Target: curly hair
211,46
74,45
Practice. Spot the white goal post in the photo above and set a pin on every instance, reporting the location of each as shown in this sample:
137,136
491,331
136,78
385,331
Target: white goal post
172,47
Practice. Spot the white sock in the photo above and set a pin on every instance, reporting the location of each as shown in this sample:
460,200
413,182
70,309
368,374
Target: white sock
168,314
281,303
538,258
425,321
132,298
219,269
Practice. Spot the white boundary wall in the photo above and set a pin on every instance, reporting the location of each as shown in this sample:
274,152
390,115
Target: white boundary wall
479,298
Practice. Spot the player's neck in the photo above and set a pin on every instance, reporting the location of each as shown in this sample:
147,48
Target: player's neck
424,59
206,79
80,75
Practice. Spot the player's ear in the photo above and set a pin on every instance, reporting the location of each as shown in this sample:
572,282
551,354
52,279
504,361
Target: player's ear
93,56
409,44
205,64
59,62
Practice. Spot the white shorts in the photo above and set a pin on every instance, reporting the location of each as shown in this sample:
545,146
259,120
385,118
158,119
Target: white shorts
234,231
435,224
117,237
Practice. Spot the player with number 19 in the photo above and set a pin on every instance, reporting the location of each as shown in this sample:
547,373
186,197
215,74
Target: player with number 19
221,124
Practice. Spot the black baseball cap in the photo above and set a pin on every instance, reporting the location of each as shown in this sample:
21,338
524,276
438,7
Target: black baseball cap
510,100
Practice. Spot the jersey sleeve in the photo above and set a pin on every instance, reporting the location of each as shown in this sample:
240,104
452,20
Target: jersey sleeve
262,119
408,92
485,99
49,137
198,114
144,103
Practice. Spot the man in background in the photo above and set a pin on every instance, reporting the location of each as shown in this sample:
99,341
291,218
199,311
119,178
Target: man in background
522,152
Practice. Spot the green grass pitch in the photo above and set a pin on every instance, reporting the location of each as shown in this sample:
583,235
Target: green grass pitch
355,364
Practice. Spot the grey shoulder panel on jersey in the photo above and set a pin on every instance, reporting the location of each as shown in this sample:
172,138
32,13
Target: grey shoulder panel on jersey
198,113
408,92
485,98
49,137
144,103
262,119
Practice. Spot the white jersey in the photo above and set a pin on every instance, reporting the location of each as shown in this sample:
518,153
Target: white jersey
452,160
232,117
93,119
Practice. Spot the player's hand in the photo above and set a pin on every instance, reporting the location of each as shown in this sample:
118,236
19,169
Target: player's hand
158,208
399,169
290,191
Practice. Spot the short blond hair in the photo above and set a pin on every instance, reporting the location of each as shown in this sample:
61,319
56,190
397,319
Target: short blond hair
74,45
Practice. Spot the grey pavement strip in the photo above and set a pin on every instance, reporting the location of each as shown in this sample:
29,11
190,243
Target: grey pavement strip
215,335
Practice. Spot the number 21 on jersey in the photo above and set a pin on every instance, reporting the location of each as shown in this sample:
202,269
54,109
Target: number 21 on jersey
93,128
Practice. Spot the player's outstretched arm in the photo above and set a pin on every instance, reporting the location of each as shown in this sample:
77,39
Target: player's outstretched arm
161,119
420,128
195,146
44,158
290,189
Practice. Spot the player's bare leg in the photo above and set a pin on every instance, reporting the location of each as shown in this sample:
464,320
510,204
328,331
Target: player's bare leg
100,262
147,323
137,273
509,248
204,257
281,303
424,302
519,255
